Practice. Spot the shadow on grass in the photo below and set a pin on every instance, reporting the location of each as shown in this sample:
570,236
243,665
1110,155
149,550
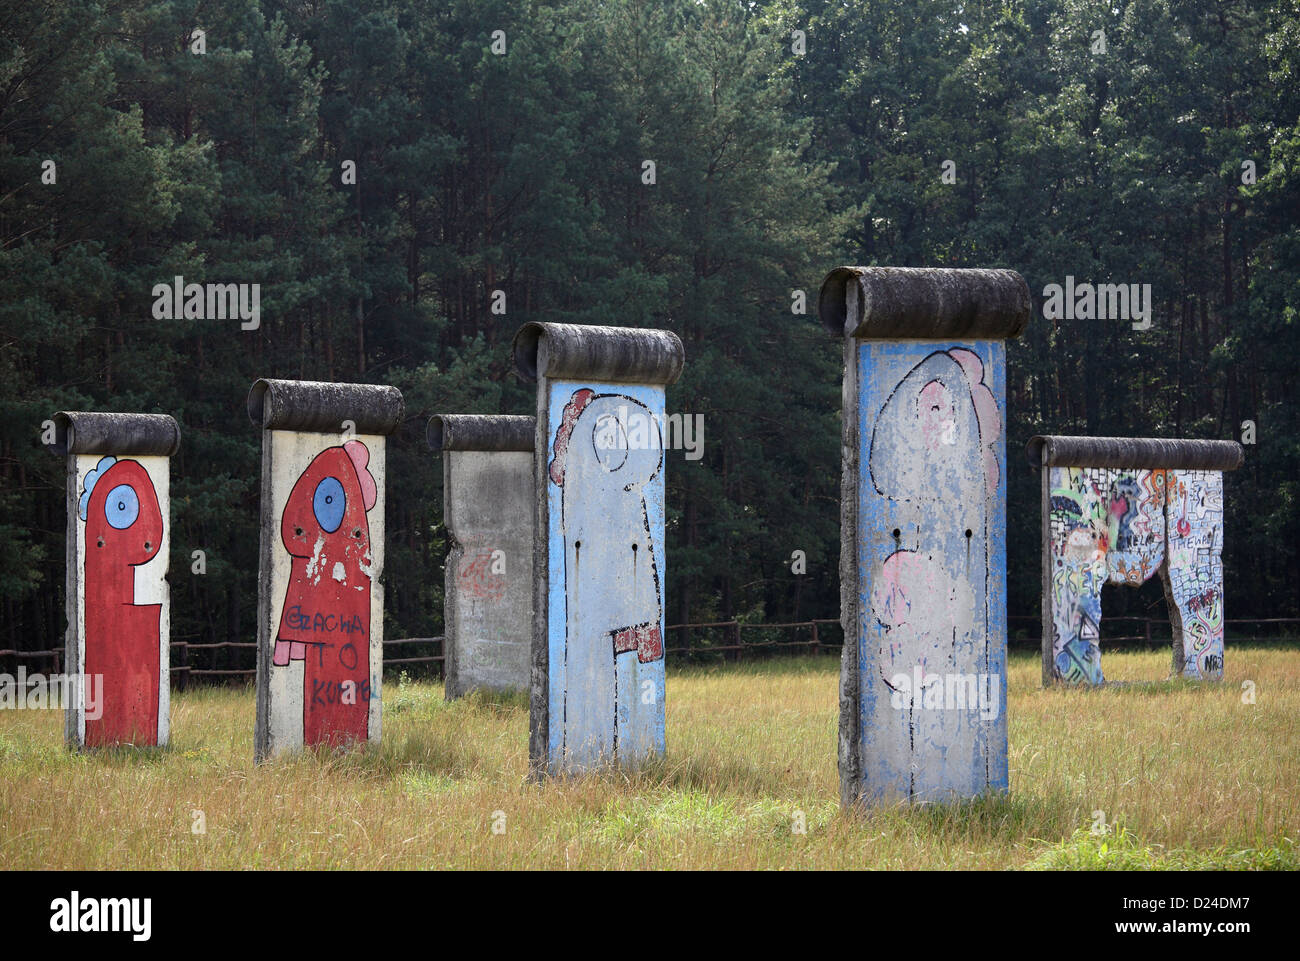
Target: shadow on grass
1152,688
989,818
710,774
442,751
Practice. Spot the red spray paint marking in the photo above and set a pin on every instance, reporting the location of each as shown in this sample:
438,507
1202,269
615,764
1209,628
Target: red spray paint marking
564,433
122,637
326,618
477,579
645,639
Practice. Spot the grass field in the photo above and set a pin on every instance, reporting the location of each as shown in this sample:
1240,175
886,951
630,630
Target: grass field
1188,777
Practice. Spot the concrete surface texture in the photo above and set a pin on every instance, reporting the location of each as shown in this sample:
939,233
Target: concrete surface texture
118,602
1124,526
320,576
598,642
923,528
488,509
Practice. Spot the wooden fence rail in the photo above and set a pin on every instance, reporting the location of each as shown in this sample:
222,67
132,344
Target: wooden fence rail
1024,633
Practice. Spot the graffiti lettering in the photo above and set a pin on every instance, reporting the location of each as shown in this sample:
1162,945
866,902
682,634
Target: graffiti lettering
299,620
329,693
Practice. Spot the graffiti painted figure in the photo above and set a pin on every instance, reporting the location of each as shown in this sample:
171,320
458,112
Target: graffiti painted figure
607,450
123,530
932,446
923,528
933,461
325,622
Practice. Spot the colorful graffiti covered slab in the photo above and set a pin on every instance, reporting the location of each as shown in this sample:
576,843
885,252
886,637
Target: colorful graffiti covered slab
326,599
932,569
605,490
1123,526
1194,585
122,541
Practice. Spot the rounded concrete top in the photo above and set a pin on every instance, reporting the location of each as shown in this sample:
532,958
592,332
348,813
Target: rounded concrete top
322,406
624,355
89,432
1139,453
481,432
924,303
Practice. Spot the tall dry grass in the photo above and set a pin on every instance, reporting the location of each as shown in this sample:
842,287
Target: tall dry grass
1187,775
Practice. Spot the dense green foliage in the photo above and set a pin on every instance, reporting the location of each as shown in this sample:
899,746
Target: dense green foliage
523,172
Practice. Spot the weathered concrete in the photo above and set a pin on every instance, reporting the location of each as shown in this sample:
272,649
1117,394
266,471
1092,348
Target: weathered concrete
309,405
453,432
617,355
1149,453
923,303
320,624
923,528
1119,511
488,507
598,562
95,432
118,603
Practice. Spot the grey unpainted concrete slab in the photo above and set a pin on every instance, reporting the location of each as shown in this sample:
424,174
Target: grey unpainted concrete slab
489,509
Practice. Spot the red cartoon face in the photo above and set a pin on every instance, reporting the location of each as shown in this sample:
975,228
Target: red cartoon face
124,523
326,617
124,529
325,518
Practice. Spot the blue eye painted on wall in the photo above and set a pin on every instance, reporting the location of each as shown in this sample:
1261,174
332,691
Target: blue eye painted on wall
122,507
328,503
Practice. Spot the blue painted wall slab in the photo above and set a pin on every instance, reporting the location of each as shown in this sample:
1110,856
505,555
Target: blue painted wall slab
930,685
604,478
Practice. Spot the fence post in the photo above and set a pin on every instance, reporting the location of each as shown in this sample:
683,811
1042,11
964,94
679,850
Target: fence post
816,647
182,677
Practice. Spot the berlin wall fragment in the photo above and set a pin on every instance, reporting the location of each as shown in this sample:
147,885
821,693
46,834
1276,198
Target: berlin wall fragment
320,604
923,528
118,604
1119,510
598,564
489,508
